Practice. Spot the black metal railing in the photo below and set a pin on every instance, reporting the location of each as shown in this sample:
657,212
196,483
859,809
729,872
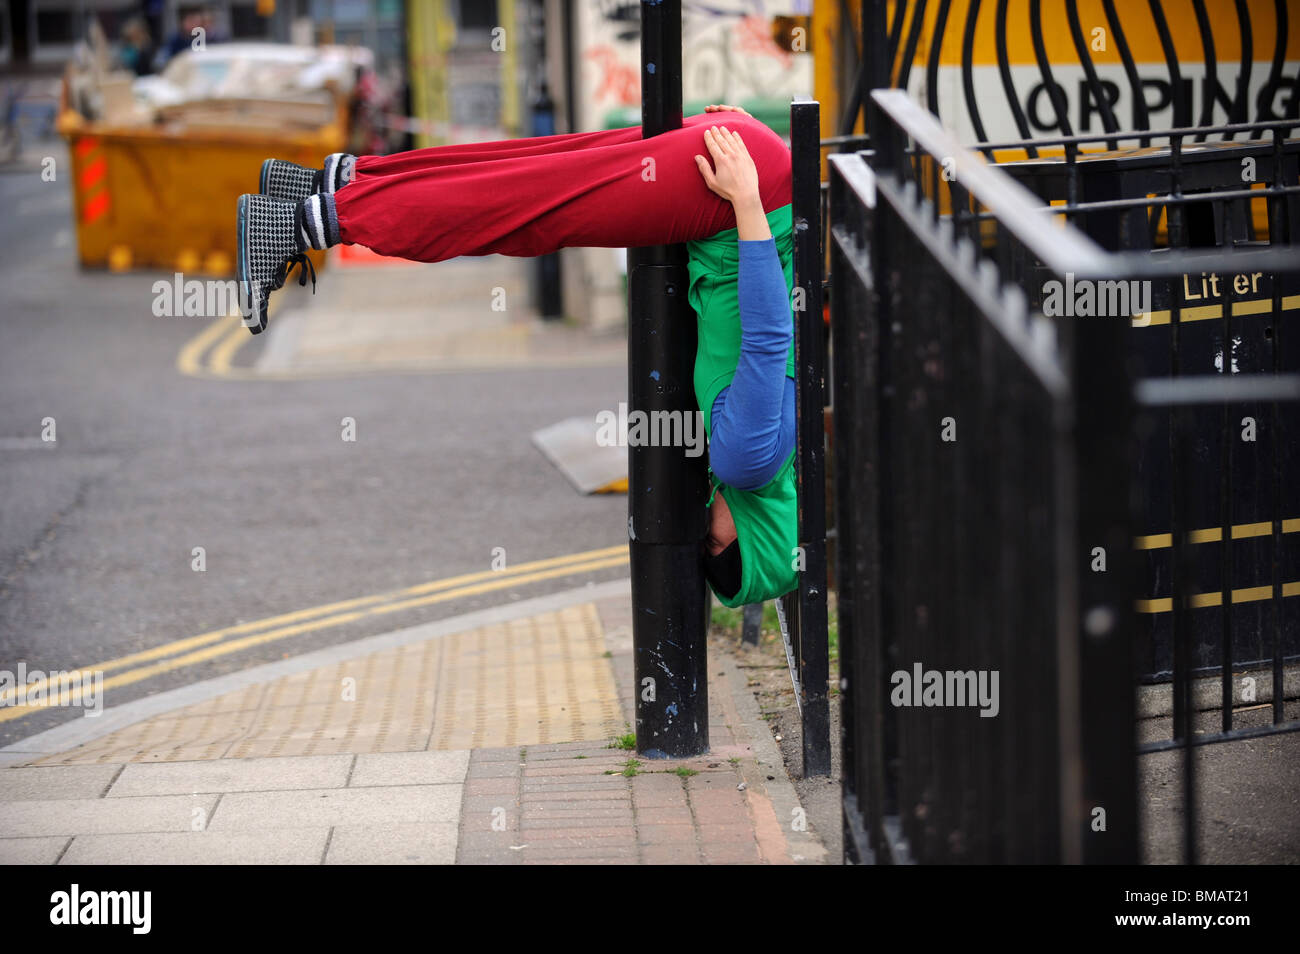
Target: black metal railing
1181,196
806,611
966,484
1212,202
1192,718
974,553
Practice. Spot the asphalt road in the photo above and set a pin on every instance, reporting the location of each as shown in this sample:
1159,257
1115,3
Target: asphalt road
98,530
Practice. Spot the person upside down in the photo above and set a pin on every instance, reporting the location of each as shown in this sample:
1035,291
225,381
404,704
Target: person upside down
610,189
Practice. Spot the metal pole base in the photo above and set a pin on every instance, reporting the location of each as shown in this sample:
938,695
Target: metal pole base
669,599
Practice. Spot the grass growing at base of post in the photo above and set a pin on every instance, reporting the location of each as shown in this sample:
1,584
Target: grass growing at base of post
626,741
727,619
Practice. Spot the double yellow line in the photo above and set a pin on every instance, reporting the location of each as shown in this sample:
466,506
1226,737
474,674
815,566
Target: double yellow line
221,642
210,353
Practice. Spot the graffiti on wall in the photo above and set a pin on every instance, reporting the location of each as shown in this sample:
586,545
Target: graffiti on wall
727,53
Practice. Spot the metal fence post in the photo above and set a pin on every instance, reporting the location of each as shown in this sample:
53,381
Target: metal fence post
667,490
810,406
1100,635
753,624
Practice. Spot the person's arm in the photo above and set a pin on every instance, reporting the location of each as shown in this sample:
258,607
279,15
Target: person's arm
753,418
751,222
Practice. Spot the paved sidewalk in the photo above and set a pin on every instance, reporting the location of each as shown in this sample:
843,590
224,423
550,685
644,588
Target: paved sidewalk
467,313
485,739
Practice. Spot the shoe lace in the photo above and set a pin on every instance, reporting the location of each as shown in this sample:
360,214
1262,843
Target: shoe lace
304,264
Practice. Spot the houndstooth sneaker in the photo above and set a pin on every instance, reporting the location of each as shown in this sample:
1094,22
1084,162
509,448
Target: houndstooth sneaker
270,242
290,182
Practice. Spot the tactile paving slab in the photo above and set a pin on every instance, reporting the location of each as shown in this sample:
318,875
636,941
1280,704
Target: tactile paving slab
540,679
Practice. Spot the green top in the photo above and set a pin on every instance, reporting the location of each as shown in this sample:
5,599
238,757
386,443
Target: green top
767,519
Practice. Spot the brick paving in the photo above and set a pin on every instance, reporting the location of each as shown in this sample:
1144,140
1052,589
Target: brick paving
579,802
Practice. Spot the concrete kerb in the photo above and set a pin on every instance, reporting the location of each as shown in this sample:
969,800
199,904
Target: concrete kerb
805,846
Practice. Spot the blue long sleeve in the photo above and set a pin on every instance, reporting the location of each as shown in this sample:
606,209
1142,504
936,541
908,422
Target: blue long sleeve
753,418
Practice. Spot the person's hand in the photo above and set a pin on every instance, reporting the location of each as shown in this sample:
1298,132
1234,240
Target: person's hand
733,175
725,109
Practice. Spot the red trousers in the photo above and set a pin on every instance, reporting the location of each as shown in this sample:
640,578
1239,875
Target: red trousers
609,189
